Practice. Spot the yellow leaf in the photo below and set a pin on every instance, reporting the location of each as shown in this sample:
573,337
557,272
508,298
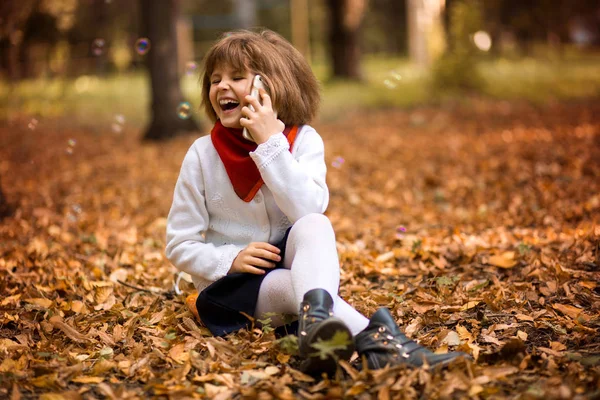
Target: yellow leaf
385,256
283,358
571,311
500,372
469,305
88,379
179,354
504,260
11,299
44,381
42,302
77,306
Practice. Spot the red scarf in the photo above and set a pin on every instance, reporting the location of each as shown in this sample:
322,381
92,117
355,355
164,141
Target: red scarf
234,151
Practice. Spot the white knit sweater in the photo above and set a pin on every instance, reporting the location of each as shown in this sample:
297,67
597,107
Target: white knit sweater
208,224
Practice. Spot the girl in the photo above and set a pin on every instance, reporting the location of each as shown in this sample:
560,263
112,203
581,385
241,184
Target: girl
247,217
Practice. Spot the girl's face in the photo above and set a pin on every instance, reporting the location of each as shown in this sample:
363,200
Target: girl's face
227,91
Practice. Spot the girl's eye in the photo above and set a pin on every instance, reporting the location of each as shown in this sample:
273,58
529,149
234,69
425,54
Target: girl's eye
238,78
215,82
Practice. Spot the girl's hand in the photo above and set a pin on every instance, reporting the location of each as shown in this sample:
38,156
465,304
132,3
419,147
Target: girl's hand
262,122
257,254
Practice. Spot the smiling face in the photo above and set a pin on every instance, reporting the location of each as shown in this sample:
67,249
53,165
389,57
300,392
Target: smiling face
228,88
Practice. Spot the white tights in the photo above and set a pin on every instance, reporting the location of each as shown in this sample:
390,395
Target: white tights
310,262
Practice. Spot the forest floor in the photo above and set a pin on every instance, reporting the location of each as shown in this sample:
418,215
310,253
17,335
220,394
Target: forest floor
479,227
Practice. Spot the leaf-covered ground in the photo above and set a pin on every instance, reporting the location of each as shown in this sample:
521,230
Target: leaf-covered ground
477,226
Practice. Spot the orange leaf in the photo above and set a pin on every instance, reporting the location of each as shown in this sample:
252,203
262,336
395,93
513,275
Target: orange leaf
504,260
570,311
42,302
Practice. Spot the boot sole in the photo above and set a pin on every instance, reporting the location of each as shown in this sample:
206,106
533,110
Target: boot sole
314,364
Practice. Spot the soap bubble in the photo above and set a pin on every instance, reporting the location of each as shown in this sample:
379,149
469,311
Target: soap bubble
392,81
98,46
32,124
184,110
142,45
337,162
190,68
390,84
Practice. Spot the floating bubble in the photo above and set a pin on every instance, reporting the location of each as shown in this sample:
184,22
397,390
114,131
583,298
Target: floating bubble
69,150
482,40
396,75
184,110
400,232
71,142
32,124
142,45
190,68
390,84
337,162
120,119
76,208
98,46
116,128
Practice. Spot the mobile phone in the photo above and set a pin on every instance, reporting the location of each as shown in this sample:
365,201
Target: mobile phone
257,83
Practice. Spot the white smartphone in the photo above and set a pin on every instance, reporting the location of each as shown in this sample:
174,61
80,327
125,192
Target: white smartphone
257,83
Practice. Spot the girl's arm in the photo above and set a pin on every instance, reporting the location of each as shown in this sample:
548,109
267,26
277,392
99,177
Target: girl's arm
297,181
187,223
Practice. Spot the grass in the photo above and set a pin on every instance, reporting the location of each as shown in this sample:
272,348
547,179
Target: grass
388,82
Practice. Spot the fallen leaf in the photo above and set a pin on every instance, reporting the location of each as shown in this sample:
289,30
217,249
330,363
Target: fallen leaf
504,260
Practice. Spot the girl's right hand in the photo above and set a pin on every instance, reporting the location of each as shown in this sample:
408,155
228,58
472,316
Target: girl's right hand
257,254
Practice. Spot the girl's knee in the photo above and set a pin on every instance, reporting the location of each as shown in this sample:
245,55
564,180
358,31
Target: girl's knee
314,221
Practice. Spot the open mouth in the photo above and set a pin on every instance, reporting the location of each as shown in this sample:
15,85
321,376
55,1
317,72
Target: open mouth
228,105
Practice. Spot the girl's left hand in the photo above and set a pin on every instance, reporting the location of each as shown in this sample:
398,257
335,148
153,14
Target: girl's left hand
262,122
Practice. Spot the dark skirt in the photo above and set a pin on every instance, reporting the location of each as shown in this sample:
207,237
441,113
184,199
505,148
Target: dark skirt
225,305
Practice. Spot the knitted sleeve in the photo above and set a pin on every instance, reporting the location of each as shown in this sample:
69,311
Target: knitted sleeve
296,180
187,223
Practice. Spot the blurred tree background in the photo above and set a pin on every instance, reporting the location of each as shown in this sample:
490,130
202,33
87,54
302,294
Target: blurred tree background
100,60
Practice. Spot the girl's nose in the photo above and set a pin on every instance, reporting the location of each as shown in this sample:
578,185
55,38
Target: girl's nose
224,84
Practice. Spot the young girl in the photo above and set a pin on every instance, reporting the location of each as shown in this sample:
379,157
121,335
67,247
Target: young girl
247,217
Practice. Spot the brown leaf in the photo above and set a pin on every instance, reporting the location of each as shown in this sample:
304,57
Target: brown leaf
504,260
87,379
68,330
42,302
571,311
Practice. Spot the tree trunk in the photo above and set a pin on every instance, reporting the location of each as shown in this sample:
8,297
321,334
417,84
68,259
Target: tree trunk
345,20
300,24
159,23
5,208
245,13
423,18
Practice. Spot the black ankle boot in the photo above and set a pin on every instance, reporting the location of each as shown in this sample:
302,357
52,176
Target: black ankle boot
383,343
316,324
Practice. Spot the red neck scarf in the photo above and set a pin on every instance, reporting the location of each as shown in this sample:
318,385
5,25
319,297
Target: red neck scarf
234,151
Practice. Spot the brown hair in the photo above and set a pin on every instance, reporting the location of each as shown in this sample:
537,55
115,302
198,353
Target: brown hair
293,87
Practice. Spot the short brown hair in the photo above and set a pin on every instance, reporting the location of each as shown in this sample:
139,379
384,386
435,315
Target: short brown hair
292,85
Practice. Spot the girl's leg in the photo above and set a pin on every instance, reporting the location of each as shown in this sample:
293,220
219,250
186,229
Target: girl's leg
311,256
277,297
312,262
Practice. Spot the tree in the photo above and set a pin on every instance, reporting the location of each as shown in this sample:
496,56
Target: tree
159,20
345,21
425,36
5,208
